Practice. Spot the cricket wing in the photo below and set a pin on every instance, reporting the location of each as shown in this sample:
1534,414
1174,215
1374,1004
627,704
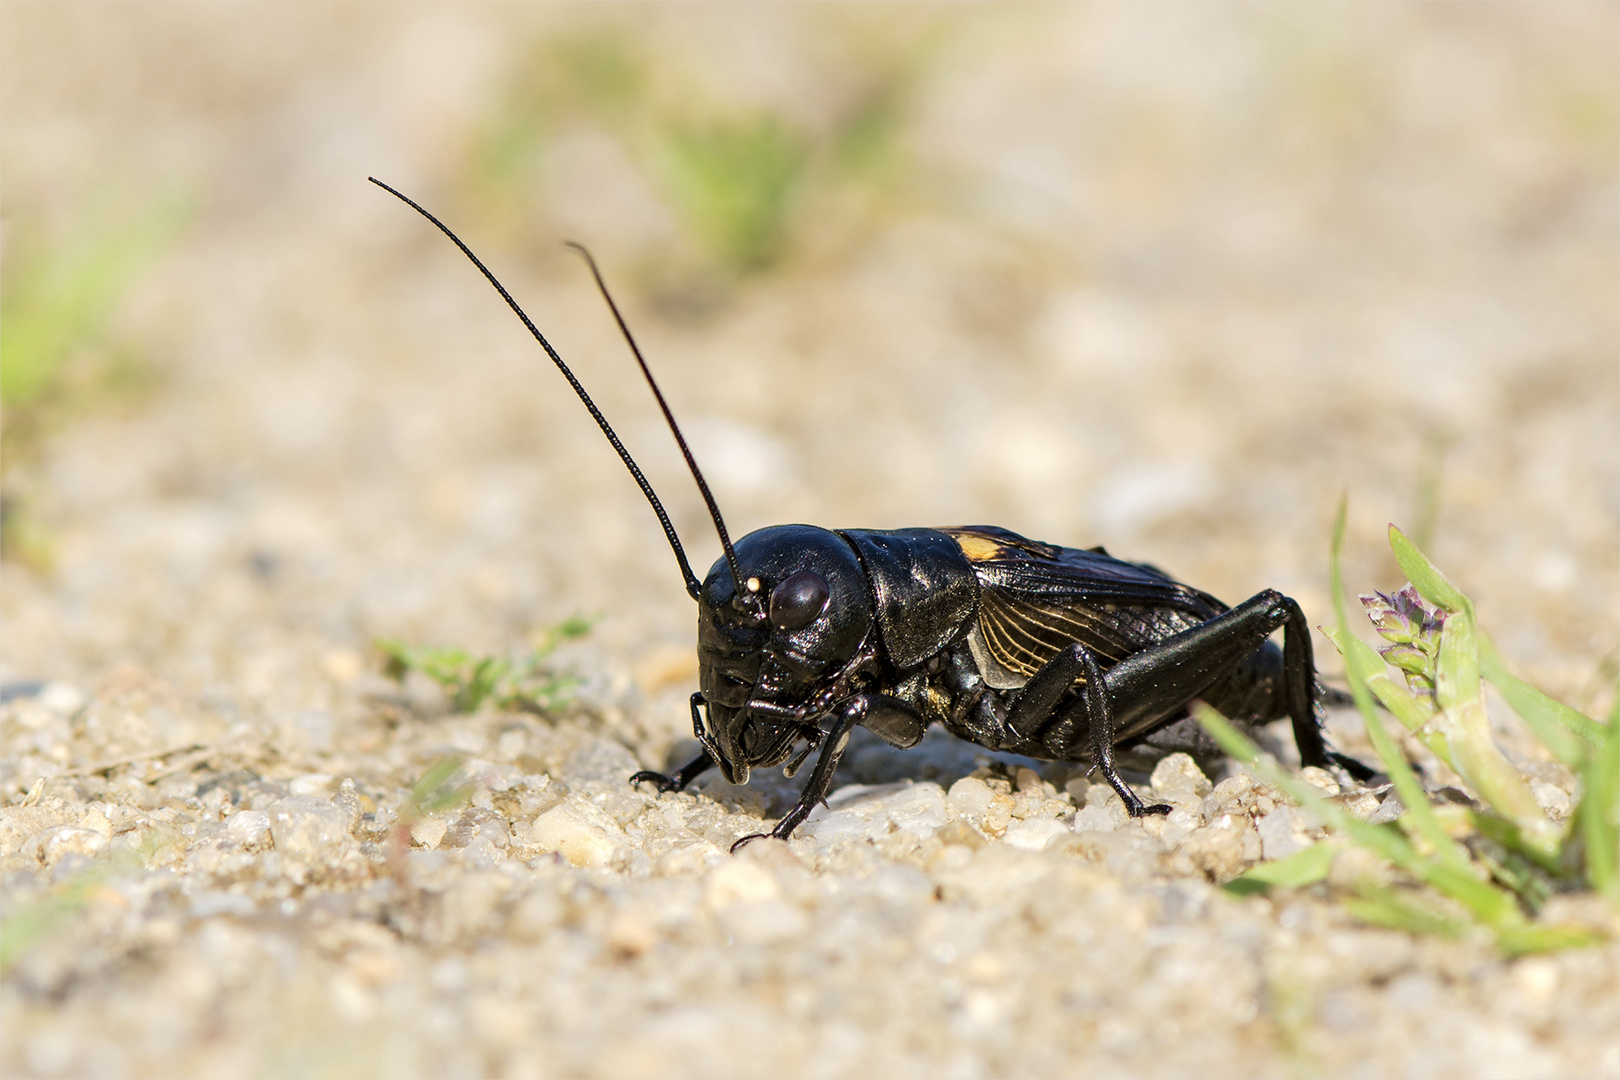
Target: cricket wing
1038,599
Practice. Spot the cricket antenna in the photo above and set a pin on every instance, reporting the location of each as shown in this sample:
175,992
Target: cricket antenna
743,593
693,587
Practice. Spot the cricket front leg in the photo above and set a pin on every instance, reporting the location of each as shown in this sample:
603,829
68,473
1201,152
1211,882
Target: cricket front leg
699,765
815,789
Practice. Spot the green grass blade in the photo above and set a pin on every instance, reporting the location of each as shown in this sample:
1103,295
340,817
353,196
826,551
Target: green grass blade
26,926
1410,791
735,184
438,789
1598,815
570,629
1535,938
1387,842
1431,584
1456,682
1294,872
1473,753
1383,906
63,298
1551,721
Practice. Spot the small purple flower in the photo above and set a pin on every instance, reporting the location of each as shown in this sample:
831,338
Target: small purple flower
1412,627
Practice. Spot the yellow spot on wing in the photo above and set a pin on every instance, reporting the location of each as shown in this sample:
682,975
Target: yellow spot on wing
977,548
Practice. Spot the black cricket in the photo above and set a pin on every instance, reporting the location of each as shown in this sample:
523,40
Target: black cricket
1049,652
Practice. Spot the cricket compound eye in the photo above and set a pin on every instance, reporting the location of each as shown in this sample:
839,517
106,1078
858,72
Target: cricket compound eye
798,600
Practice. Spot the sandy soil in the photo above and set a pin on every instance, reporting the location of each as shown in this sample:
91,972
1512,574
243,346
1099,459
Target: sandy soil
1166,279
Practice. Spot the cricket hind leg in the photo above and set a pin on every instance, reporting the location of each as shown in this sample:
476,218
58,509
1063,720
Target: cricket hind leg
1153,686
1299,673
1271,684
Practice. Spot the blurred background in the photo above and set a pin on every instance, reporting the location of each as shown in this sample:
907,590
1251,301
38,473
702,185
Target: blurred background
1168,278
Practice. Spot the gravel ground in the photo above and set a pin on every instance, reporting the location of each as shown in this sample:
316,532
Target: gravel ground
1170,279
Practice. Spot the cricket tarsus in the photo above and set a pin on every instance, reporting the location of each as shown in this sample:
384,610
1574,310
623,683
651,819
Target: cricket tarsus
677,780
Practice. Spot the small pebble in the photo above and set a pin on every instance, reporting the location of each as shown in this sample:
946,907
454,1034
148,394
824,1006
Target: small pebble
428,831
1387,811
308,833
250,828
211,904
1554,801
1320,779
1102,813
1035,834
764,922
565,830
740,882
1178,780
61,698
873,812
1280,834
310,784
970,797
68,840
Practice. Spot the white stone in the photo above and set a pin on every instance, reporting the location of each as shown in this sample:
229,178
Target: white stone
564,830
1321,780
764,922
688,860
1178,825
307,829
1178,778
740,882
970,797
1280,835
900,885
19,824
826,826
1101,815
250,828
428,831
1537,977
207,905
97,821
1034,834
1553,800
61,698
916,808
872,812
1388,810
1227,796
66,840
315,783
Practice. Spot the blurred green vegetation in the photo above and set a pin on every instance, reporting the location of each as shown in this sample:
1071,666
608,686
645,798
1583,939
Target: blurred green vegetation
59,297
37,920
522,684
441,787
740,179
734,184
